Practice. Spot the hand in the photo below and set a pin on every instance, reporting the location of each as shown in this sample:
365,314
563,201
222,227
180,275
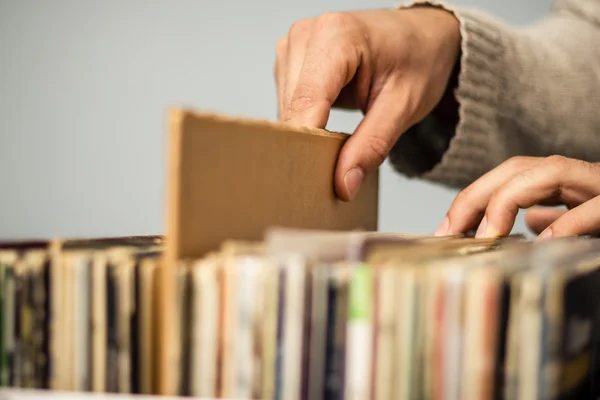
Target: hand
494,200
393,65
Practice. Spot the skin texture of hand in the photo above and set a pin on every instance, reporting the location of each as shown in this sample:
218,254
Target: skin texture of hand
493,201
393,65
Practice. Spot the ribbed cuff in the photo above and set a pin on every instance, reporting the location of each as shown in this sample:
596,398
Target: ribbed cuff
480,82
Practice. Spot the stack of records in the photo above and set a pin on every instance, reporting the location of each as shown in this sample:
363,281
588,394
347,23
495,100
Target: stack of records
309,315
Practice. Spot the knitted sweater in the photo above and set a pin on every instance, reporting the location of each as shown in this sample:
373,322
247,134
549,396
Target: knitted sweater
531,91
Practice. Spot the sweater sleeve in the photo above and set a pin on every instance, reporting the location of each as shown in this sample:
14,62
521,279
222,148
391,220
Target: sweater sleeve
531,91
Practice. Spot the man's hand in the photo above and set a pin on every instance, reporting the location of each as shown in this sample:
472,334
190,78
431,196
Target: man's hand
493,201
393,65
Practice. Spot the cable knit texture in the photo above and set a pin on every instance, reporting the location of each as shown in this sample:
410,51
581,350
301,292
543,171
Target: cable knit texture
521,91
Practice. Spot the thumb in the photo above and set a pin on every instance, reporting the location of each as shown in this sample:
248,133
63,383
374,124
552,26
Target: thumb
538,218
581,220
371,143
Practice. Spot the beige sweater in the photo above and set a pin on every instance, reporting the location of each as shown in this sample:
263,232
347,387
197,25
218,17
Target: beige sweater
529,91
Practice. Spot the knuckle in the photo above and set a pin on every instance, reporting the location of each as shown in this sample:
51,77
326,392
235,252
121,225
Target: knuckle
378,148
344,30
335,20
462,201
305,95
557,163
464,195
299,29
303,100
518,162
502,200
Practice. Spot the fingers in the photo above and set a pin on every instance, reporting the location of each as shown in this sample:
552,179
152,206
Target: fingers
568,180
538,218
323,56
469,206
384,62
518,185
581,220
318,60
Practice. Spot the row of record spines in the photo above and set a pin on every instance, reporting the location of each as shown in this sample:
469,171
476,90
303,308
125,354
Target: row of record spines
305,353
24,342
311,349
28,331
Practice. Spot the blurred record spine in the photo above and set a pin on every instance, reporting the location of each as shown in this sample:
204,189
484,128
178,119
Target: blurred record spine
308,315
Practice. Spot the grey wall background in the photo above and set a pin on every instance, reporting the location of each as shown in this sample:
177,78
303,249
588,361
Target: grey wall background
84,87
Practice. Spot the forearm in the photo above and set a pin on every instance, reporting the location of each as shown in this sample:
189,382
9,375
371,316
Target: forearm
531,92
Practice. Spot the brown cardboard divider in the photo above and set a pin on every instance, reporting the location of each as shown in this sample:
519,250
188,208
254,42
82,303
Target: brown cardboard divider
232,178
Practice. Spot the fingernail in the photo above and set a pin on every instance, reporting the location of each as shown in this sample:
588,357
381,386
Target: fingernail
352,180
490,232
443,228
482,228
547,234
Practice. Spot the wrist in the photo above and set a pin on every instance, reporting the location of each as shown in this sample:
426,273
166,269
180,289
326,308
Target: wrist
441,30
441,25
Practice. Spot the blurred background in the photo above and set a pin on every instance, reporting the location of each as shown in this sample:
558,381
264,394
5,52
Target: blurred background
85,86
